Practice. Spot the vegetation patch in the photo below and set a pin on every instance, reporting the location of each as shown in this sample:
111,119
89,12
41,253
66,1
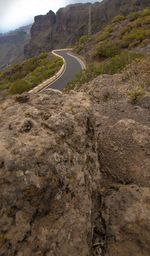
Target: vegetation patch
83,39
81,43
29,73
104,33
145,12
123,32
114,48
106,50
117,63
19,86
133,16
110,66
138,73
118,18
135,35
136,94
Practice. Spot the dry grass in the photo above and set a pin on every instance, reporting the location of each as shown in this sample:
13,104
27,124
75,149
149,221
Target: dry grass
138,73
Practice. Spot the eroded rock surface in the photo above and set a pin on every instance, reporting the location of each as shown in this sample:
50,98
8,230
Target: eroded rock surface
74,173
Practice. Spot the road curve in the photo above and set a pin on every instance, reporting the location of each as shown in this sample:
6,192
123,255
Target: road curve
73,66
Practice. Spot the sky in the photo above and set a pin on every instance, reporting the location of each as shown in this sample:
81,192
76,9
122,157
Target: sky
17,13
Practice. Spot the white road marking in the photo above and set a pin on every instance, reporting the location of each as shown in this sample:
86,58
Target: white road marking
79,60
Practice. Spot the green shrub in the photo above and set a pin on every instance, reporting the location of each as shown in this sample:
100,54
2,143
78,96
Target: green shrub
109,28
33,79
102,36
146,12
136,94
145,20
81,43
117,63
43,55
118,18
4,85
134,15
106,50
19,87
137,34
125,29
138,23
83,39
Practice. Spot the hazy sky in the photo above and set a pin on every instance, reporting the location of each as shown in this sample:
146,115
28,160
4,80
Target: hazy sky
16,13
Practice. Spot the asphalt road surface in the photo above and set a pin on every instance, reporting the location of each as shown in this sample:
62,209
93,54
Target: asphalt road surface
72,68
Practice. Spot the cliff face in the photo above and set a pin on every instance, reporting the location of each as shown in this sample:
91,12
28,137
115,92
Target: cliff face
74,171
57,30
68,24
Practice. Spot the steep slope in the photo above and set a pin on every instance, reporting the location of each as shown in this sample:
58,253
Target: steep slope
74,171
12,46
68,24
123,40
123,32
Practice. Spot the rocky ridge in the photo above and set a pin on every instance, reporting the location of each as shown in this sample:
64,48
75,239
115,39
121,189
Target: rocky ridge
71,22
74,172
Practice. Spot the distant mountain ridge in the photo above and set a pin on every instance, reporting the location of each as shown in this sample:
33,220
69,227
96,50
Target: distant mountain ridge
25,29
66,26
12,45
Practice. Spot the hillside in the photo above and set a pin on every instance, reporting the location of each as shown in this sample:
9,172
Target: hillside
71,22
29,73
123,32
109,51
12,46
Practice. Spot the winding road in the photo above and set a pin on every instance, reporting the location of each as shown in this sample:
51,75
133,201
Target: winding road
72,66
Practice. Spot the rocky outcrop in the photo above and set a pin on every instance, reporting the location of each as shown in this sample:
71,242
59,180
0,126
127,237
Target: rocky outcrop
42,211
74,172
64,28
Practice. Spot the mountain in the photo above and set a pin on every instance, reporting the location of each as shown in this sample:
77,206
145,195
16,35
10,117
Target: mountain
70,23
74,166
25,29
12,45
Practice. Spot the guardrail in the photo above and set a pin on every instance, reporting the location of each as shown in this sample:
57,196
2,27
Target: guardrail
44,84
54,78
